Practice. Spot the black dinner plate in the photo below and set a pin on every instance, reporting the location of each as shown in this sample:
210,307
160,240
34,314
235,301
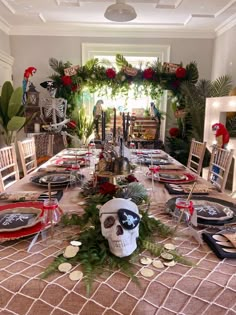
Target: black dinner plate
170,207
57,180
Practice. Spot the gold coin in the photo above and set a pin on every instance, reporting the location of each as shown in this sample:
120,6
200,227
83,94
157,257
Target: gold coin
76,275
167,256
146,272
71,251
157,264
75,243
64,267
145,260
170,246
170,263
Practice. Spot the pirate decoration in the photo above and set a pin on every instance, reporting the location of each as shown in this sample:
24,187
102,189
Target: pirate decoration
29,72
221,134
120,225
53,110
97,113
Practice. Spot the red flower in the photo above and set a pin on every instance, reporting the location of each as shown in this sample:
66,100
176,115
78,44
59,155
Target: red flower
175,84
131,179
110,73
180,73
66,80
148,73
71,124
75,87
107,188
174,132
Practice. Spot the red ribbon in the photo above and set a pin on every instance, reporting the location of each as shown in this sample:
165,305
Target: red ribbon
154,169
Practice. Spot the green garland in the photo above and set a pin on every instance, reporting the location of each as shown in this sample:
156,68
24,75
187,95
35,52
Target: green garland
94,254
96,76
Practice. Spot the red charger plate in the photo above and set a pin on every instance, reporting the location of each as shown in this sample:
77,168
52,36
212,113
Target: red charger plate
188,179
12,235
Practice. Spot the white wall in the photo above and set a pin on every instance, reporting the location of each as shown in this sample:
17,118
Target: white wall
5,42
36,51
224,59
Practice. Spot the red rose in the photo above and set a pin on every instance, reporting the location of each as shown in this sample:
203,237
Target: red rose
71,124
66,80
175,84
131,179
174,132
110,73
148,73
75,87
180,73
107,188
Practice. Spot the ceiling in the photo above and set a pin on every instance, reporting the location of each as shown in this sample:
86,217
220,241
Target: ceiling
195,18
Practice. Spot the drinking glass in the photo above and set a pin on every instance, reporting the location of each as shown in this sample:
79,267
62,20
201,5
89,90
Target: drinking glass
51,217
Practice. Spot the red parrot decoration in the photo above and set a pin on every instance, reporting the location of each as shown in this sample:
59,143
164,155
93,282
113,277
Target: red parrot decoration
221,134
29,72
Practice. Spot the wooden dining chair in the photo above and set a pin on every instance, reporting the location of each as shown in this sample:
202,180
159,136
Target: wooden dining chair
219,167
9,172
196,156
27,151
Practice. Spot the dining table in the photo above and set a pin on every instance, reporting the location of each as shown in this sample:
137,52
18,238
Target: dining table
208,286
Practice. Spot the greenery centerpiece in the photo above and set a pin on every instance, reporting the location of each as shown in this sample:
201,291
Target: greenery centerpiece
94,255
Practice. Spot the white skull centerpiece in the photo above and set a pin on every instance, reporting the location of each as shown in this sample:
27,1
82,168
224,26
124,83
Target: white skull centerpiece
120,225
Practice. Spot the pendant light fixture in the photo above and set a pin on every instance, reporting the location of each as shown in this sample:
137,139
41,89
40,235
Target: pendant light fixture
120,12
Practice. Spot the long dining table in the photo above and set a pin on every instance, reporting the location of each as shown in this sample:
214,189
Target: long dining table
208,287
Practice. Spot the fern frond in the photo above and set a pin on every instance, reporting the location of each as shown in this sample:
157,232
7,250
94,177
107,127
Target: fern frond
221,86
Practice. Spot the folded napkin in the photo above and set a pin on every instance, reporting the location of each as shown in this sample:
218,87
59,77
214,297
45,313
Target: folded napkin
172,167
20,196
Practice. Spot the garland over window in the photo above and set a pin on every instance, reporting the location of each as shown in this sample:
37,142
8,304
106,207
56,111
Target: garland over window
96,75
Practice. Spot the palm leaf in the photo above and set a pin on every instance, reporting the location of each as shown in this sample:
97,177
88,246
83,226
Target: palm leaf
90,64
192,72
221,86
121,61
56,65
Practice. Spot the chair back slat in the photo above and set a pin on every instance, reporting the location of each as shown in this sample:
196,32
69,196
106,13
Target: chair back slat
27,153
196,156
219,167
9,172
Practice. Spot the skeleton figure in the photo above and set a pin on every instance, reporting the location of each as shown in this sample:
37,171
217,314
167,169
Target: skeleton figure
53,109
120,225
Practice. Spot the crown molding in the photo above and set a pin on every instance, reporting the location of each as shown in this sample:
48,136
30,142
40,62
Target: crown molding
6,58
115,30
226,26
4,26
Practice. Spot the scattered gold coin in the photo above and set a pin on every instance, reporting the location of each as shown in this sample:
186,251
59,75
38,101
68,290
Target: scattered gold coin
169,246
157,264
145,260
76,275
64,267
146,272
75,243
170,263
167,256
70,251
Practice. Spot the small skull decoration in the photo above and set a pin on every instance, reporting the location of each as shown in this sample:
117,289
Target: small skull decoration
120,225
